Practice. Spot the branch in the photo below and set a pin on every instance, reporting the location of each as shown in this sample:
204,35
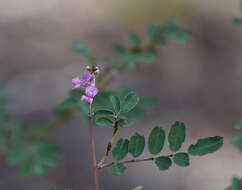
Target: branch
131,161
116,130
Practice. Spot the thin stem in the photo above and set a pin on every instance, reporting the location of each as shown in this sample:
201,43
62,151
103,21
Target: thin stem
93,151
116,130
131,161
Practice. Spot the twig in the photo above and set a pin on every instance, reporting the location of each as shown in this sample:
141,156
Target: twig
116,130
93,151
131,161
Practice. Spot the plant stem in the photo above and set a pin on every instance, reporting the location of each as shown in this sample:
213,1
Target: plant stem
93,151
116,130
131,161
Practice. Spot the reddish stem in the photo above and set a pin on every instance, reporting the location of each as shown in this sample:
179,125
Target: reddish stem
93,153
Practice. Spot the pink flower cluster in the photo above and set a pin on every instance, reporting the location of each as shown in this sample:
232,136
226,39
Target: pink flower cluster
87,81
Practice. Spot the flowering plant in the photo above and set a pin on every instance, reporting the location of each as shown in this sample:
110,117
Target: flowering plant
114,115
91,100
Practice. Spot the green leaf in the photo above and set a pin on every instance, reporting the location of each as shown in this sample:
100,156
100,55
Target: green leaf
4,113
117,169
147,58
48,153
115,103
236,184
80,48
152,30
133,39
16,153
173,31
238,125
39,169
65,106
129,59
121,149
34,157
102,101
104,121
162,40
138,188
170,28
3,139
136,145
18,133
118,49
76,93
163,162
181,159
125,122
156,140
237,21
26,167
182,36
237,140
104,113
4,117
176,136
206,145
130,101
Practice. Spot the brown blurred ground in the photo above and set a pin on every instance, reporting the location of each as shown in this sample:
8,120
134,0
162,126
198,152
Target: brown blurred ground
198,83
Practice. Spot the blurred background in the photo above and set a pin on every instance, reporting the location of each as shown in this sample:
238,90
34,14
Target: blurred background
198,83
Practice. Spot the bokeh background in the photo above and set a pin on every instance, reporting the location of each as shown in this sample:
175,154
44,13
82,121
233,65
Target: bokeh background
198,82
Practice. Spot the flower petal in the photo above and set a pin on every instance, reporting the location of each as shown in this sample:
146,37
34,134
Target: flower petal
86,77
76,82
87,99
91,91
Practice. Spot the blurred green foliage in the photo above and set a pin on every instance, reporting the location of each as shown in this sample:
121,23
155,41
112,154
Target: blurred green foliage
236,184
237,140
19,149
146,51
237,21
54,188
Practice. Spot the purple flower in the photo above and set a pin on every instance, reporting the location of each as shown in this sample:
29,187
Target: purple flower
86,77
88,81
76,82
91,91
87,99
